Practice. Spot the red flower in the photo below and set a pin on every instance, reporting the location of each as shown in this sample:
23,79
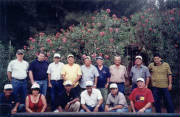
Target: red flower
111,40
100,54
172,19
99,24
93,24
41,34
83,56
30,38
97,48
71,28
49,40
25,47
62,30
92,18
64,40
42,48
58,35
142,17
116,30
106,56
108,10
102,34
171,11
110,29
94,55
150,29
114,16
146,20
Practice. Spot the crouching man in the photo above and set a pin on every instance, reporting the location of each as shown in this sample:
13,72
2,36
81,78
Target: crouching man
91,99
141,98
116,101
68,100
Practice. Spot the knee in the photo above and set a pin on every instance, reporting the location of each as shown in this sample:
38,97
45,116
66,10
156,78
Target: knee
77,104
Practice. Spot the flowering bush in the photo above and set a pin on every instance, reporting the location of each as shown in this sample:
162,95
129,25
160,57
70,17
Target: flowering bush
99,34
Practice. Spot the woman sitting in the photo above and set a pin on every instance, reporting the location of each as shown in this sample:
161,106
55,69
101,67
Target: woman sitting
35,102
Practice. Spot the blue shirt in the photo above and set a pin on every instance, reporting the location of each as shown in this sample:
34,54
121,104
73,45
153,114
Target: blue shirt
103,75
39,69
12,100
136,72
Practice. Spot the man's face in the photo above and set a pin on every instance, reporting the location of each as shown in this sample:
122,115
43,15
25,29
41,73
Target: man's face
70,60
140,84
114,91
8,92
20,56
87,62
138,61
89,89
68,88
56,59
41,57
117,60
157,60
99,62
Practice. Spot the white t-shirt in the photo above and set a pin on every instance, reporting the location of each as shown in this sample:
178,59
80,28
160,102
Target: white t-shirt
18,69
91,100
55,70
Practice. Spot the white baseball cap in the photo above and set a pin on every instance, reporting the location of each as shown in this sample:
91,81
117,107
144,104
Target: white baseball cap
35,86
57,55
8,86
67,82
140,79
89,83
113,85
139,57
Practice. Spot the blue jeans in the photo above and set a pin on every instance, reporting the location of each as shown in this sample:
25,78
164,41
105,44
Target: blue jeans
92,108
134,85
148,110
77,89
121,87
43,86
158,93
20,89
56,89
122,110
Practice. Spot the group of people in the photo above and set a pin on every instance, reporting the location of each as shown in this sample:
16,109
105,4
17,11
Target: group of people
86,88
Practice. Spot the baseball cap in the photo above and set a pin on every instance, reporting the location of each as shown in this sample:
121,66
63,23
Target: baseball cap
8,86
99,57
67,82
57,55
70,55
35,86
89,83
139,57
20,51
140,79
87,57
113,85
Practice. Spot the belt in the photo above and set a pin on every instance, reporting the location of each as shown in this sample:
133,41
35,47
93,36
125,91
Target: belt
19,79
57,80
118,82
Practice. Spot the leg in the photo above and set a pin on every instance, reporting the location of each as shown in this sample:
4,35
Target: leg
121,87
168,100
149,110
122,110
53,95
104,93
23,91
16,87
74,107
157,98
60,87
133,86
44,87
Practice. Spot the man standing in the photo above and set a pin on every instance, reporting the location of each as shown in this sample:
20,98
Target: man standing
72,72
103,78
38,72
17,74
91,99
116,101
89,73
139,71
68,100
161,83
118,73
141,98
55,82
8,99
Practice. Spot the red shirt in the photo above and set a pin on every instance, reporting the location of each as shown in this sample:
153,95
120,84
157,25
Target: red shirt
36,107
141,97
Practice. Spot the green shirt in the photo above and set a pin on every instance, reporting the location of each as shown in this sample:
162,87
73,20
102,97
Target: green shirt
159,74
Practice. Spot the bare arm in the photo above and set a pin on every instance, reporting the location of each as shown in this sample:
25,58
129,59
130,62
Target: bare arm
49,80
145,107
147,82
117,107
95,82
132,106
27,105
14,110
9,74
85,108
31,77
44,103
170,82
107,84
106,108
77,79
98,105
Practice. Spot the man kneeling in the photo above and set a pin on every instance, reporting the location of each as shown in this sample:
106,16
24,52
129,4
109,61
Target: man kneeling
116,101
91,99
68,100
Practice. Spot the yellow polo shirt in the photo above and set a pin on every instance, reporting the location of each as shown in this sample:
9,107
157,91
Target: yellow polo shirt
159,74
71,72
